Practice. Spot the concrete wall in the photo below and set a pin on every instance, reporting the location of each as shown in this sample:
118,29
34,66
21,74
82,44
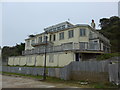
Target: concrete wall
65,58
31,60
22,61
16,60
11,61
57,59
39,60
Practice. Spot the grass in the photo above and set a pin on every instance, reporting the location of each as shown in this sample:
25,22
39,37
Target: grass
35,77
34,66
107,56
104,85
100,85
75,83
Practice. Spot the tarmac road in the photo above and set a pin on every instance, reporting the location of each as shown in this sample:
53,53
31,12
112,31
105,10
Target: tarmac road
22,82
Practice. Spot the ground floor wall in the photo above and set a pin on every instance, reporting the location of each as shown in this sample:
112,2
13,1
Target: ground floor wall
58,59
52,59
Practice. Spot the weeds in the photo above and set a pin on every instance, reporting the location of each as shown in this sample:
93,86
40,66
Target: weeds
107,56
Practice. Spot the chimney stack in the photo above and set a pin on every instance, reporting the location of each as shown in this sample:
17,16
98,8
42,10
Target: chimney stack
93,24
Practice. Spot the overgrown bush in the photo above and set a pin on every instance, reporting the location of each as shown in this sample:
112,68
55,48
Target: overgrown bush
107,56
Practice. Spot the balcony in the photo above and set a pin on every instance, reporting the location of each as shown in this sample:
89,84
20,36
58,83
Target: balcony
100,36
65,47
93,36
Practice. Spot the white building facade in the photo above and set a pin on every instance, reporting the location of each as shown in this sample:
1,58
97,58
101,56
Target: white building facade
63,44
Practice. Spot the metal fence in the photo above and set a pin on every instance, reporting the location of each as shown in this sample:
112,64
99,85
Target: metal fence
98,71
114,73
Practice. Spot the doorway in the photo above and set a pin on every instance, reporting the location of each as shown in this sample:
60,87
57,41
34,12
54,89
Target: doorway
77,56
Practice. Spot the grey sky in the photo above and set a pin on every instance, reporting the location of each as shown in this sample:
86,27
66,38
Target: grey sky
21,19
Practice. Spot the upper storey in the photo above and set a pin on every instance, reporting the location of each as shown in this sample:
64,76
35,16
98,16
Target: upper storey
58,27
66,33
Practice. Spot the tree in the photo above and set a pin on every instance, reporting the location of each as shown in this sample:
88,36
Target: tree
12,51
110,27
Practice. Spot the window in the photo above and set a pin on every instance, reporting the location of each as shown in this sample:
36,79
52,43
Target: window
59,28
33,41
68,26
61,35
95,42
82,32
28,43
70,34
63,27
50,30
54,29
51,58
40,39
90,35
54,37
45,38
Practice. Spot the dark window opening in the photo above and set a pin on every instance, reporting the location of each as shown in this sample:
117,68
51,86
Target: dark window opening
54,37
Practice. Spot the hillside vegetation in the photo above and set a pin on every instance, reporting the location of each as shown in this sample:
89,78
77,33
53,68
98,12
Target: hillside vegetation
12,51
110,27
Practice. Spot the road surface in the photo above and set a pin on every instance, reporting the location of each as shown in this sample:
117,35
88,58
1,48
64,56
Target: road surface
22,82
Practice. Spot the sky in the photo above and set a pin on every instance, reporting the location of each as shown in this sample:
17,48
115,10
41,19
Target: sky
24,18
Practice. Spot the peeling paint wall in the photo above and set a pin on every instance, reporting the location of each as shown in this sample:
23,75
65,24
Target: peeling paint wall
11,61
22,61
52,59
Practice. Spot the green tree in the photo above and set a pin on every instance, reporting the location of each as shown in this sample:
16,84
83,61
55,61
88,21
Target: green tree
12,51
110,27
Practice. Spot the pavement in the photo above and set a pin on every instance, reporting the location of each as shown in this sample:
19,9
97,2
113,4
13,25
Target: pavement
22,82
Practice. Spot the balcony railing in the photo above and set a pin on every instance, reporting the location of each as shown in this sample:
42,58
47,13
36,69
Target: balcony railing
93,36
102,37
72,46
98,35
41,43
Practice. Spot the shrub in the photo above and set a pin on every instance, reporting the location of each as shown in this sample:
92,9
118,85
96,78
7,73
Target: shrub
107,56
